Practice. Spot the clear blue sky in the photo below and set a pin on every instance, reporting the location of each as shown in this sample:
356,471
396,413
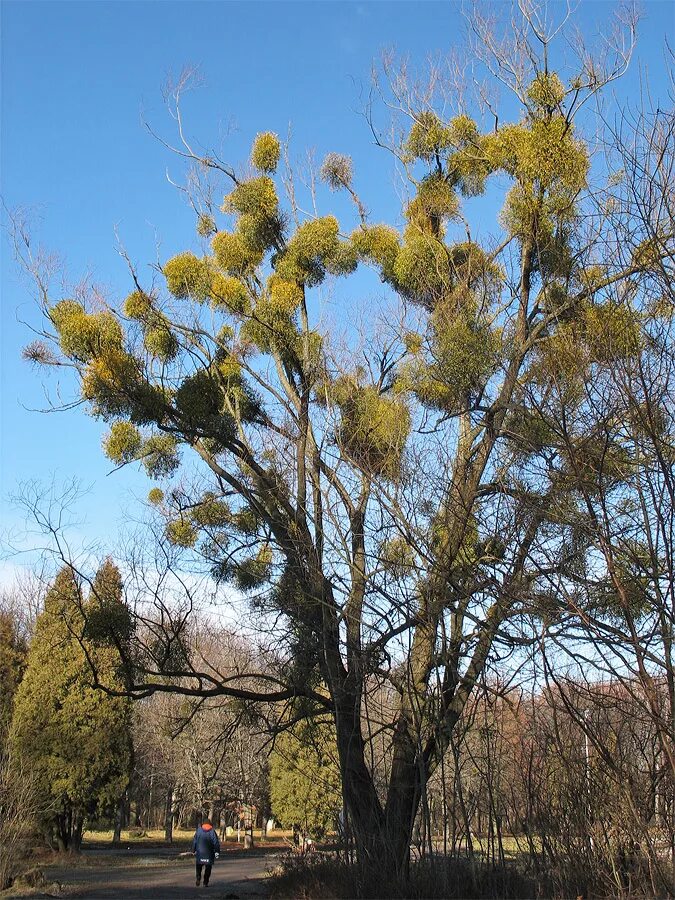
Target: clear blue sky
75,78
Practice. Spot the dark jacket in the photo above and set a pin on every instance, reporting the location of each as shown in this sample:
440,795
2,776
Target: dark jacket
205,844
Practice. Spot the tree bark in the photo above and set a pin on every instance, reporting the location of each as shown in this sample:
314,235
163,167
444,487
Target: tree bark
168,816
76,833
119,820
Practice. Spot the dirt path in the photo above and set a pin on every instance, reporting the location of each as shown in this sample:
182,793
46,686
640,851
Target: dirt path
148,878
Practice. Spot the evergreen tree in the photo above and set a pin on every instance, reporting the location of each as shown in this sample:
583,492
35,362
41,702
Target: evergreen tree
75,738
305,777
13,651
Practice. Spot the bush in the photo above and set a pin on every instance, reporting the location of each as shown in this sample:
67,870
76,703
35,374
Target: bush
18,812
324,876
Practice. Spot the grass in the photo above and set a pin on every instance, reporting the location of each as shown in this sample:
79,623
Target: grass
154,836
512,845
132,835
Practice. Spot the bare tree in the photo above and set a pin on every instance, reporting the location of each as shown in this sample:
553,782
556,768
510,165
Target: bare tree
389,503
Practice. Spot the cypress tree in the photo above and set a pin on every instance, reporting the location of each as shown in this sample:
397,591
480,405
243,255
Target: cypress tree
305,777
12,660
75,738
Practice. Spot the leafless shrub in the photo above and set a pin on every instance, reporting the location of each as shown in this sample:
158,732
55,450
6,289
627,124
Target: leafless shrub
18,810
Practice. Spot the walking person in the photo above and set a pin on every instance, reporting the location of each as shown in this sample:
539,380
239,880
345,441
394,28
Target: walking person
206,848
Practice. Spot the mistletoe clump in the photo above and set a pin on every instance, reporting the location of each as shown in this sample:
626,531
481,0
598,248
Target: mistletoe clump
265,152
123,443
475,272
422,269
373,427
158,338
256,206
187,276
550,167
467,165
542,152
211,513
463,351
231,293
378,244
116,386
336,171
428,137
435,203
233,255
156,496
158,452
456,144
546,92
272,325
85,336
286,295
206,225
257,196
612,331
397,556
181,533
161,342
253,573
308,253
200,401
160,455
139,305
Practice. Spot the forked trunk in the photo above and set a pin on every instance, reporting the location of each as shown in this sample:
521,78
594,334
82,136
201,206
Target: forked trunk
381,836
360,798
382,844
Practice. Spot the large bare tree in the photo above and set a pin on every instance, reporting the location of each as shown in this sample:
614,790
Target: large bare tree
381,489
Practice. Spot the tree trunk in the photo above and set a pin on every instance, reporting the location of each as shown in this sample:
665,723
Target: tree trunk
63,830
76,834
359,795
381,837
168,815
119,820
60,836
402,804
150,800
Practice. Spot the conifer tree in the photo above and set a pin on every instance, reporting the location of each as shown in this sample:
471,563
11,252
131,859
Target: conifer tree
305,777
13,651
74,737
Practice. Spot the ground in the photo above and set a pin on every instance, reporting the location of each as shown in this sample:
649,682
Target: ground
152,871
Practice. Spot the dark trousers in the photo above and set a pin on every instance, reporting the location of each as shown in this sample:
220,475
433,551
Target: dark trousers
207,872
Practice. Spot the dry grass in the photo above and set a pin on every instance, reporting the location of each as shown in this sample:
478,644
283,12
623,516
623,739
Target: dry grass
136,836
180,835
325,878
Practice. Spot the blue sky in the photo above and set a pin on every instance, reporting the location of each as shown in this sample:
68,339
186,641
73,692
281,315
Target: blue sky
76,77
